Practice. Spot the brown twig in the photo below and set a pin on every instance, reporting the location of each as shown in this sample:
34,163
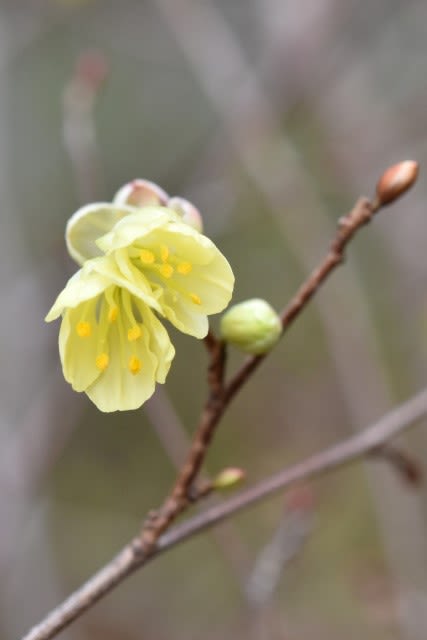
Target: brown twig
128,560
216,368
202,491
210,341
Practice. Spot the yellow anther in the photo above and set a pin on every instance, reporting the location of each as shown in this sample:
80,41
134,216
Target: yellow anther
146,256
134,365
195,298
164,253
166,270
184,267
134,333
112,314
83,329
102,361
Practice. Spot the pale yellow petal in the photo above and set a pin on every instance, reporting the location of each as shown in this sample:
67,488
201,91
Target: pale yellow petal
78,354
82,286
129,379
135,227
90,223
212,284
203,288
160,342
134,280
185,315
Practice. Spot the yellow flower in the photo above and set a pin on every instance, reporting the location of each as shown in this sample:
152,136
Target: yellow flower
183,271
135,261
111,344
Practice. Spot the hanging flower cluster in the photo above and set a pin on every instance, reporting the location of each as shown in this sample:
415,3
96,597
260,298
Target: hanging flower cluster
139,259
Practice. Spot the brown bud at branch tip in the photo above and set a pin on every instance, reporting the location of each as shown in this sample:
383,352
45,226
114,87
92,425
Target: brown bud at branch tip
396,180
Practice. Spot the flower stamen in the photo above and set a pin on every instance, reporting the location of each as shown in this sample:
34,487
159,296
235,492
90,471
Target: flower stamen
166,270
184,268
102,361
195,298
113,312
164,253
83,329
134,333
146,256
134,365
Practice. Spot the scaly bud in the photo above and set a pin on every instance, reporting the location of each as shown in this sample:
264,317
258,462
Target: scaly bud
141,193
188,212
228,478
252,326
396,180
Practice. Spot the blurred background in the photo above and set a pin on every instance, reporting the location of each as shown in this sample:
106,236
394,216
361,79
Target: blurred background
272,116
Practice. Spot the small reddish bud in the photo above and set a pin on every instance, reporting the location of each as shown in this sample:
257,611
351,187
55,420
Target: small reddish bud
187,211
396,180
141,193
228,478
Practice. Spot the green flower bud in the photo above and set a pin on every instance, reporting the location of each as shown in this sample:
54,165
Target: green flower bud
141,193
228,478
252,326
187,211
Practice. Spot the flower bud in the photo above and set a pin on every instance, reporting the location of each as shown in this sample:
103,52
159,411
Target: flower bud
252,326
396,180
141,193
228,478
187,211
